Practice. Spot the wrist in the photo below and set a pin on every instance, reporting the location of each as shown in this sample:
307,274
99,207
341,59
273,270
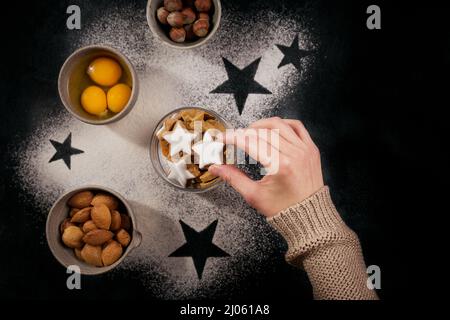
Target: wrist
310,224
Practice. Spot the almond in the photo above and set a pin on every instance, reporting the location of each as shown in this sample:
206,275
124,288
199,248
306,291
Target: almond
101,216
82,215
123,237
97,237
92,255
111,202
89,226
66,223
78,254
116,221
125,222
81,199
111,253
73,211
72,237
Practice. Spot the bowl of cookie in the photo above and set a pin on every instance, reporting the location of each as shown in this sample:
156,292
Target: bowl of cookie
92,227
183,146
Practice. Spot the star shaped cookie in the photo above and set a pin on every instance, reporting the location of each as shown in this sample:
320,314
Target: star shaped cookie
209,150
179,173
180,139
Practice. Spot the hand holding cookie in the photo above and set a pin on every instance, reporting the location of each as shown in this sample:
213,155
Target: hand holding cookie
298,172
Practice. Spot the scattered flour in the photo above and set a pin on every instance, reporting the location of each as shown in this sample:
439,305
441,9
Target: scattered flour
117,155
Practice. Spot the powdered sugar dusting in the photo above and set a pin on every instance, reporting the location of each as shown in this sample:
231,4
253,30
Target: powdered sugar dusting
117,155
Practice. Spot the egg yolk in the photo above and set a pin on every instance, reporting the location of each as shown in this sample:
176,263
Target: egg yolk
118,97
93,100
104,71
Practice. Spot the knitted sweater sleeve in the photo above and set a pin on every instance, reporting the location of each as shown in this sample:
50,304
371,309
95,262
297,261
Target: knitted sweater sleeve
320,242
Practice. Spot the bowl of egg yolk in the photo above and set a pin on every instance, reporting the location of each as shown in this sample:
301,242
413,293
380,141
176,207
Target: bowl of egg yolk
98,84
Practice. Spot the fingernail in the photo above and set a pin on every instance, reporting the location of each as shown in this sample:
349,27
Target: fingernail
214,169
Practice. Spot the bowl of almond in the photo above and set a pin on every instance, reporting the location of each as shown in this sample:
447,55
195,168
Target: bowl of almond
93,228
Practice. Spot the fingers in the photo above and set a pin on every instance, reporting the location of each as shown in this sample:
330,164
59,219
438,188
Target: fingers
273,138
249,141
299,129
235,178
267,146
286,131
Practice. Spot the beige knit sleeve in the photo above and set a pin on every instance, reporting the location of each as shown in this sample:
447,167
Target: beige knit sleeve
320,242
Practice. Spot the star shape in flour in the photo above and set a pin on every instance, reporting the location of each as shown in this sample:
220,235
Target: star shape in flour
209,150
199,246
292,55
178,172
241,83
180,139
64,151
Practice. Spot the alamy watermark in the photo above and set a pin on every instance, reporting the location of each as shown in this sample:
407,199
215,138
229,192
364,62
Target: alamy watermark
73,22
374,277
374,20
74,280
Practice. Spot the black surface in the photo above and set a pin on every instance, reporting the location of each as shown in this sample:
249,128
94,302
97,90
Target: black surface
378,99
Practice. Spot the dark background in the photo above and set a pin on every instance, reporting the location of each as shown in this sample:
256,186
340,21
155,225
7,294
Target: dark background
379,98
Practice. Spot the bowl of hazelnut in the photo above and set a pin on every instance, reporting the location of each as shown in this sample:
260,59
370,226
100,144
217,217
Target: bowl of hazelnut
184,24
93,228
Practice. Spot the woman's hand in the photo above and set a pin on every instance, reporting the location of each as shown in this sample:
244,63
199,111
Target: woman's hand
292,160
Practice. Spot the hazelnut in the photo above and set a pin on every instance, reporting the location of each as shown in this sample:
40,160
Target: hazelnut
175,19
162,14
173,5
189,15
190,35
203,16
177,34
203,5
201,28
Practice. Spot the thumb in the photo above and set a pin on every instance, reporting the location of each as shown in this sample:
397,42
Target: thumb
235,178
